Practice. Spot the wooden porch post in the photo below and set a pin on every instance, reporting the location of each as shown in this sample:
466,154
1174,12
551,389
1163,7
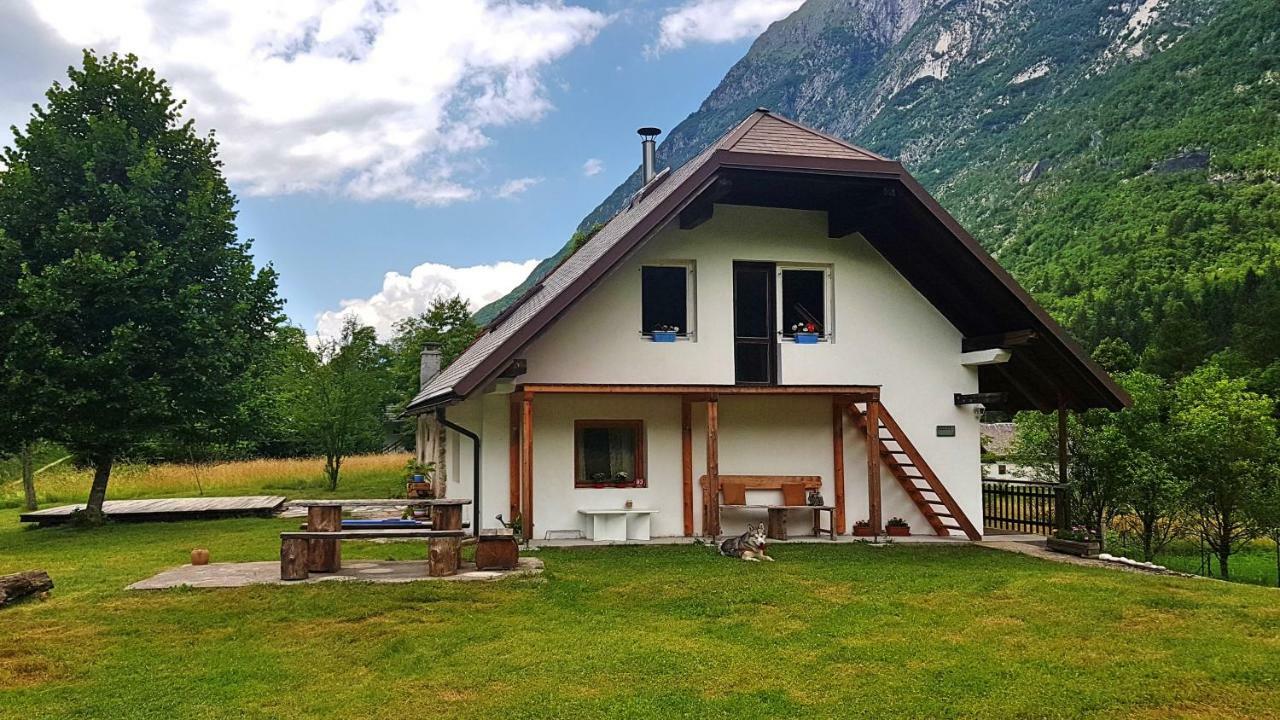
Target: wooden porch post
513,458
873,466
526,464
686,461
1062,501
713,466
837,446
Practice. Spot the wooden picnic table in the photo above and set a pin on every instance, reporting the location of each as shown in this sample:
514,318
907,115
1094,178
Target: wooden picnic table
324,555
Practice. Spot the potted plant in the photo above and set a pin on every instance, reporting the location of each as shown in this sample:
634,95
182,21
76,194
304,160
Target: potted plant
418,472
805,333
862,528
664,333
1077,540
897,527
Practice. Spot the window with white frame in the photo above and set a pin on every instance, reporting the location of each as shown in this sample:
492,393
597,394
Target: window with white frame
805,300
667,298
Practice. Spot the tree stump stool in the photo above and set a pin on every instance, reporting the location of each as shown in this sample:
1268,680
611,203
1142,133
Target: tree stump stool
324,555
293,559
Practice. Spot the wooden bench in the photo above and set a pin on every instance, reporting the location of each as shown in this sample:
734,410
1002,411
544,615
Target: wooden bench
297,561
777,514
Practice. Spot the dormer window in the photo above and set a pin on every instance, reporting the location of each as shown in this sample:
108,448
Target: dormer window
805,301
666,298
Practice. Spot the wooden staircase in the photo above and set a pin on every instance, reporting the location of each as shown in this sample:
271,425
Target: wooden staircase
914,474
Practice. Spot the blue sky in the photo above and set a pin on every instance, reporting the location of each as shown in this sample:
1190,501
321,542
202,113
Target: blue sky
364,140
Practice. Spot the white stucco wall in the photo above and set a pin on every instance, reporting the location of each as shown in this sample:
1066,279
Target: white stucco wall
885,333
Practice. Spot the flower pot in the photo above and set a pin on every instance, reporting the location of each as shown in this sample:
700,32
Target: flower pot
200,556
863,531
664,336
418,478
897,530
1079,548
806,338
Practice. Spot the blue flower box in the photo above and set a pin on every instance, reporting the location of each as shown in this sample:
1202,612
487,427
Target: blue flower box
664,335
806,338
419,479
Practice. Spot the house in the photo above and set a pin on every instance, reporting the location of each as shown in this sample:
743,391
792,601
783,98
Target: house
997,447
753,313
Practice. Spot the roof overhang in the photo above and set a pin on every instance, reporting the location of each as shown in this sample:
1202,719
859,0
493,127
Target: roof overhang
870,196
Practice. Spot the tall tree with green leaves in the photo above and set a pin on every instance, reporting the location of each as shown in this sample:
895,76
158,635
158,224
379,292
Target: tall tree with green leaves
337,396
447,323
136,308
1226,444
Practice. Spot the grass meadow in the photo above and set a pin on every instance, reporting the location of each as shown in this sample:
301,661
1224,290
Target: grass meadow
827,631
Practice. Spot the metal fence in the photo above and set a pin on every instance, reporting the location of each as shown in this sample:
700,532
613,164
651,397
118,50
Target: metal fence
1021,506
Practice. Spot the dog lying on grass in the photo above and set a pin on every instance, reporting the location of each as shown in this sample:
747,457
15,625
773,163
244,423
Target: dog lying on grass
750,545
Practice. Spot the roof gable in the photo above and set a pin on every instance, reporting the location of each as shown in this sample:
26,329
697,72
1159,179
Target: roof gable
772,135
765,142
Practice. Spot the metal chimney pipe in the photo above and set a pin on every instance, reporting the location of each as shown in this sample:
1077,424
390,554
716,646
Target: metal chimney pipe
648,150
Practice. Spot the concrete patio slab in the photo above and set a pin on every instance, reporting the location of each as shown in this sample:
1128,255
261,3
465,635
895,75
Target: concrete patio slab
231,575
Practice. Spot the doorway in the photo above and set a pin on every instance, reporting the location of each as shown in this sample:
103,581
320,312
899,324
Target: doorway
755,346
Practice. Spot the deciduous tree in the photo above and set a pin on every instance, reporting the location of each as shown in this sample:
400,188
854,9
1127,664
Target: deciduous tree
1225,438
337,396
136,309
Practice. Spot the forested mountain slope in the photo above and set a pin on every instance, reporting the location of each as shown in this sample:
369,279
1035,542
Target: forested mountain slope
1121,158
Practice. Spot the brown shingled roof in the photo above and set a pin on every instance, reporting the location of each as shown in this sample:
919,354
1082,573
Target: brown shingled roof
778,147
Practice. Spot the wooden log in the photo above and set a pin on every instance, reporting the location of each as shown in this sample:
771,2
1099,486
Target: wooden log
496,550
446,517
777,524
293,559
443,556
324,555
19,585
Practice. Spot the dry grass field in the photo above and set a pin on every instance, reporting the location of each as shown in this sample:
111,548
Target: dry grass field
380,474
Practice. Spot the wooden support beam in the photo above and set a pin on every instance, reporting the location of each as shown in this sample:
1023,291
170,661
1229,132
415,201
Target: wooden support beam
1034,396
978,358
713,467
837,446
873,467
513,458
859,393
998,340
982,398
526,464
1063,513
516,368
686,462
703,208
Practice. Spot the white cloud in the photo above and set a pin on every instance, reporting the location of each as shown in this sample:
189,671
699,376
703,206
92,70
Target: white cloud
404,296
593,166
717,21
514,187
367,98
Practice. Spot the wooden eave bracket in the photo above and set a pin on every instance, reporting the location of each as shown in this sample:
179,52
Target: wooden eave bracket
994,356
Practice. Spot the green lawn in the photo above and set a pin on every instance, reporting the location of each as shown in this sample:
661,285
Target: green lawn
827,631
1255,563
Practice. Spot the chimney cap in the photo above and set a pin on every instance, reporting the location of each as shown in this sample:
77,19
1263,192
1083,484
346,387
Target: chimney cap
648,133
430,347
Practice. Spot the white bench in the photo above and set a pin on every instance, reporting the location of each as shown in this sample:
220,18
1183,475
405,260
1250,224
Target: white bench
619,525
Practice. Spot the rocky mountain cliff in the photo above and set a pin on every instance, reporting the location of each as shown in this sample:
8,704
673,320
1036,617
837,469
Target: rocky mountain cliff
1118,156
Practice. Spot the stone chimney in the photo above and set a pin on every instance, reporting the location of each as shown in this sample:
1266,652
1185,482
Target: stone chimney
429,364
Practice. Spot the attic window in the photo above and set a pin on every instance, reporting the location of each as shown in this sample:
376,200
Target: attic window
665,298
805,298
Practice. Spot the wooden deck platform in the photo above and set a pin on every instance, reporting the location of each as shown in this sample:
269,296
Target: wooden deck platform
166,509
